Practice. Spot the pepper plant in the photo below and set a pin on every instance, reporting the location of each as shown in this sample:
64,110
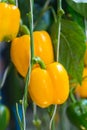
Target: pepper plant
49,58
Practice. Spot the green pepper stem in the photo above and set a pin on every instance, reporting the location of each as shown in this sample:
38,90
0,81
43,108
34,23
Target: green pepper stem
38,60
23,30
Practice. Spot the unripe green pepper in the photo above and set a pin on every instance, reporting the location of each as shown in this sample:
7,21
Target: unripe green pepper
4,117
77,114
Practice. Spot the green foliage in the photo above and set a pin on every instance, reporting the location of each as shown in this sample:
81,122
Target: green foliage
75,16
42,18
72,47
24,9
79,6
14,86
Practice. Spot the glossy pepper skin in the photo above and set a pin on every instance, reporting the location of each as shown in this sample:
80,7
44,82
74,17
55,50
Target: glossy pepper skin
9,21
77,114
85,57
81,90
50,86
20,50
4,117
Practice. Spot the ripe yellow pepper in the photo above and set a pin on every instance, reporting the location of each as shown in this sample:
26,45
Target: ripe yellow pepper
81,90
49,86
85,57
20,50
9,21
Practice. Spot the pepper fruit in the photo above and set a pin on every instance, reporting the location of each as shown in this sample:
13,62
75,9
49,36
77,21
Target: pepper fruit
4,117
77,114
49,86
20,50
81,90
9,21
85,57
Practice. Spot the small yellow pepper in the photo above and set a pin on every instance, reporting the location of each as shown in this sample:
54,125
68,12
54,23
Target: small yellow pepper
81,90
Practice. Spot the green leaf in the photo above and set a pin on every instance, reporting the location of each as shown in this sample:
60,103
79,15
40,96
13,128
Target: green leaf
79,6
80,1
75,16
72,47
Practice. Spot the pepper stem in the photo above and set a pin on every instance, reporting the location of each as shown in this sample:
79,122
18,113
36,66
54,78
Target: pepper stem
38,60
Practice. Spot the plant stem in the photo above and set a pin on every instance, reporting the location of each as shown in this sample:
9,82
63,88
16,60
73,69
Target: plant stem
19,119
4,77
22,123
85,21
24,112
60,12
46,4
34,109
52,126
31,30
31,54
42,12
59,16
16,1
38,60
72,95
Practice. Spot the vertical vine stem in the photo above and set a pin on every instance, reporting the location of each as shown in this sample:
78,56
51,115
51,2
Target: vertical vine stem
16,2
42,12
85,21
34,109
52,118
60,12
4,77
31,30
72,95
24,101
31,53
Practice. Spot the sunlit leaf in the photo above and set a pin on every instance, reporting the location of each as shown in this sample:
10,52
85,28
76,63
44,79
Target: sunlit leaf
80,1
79,6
